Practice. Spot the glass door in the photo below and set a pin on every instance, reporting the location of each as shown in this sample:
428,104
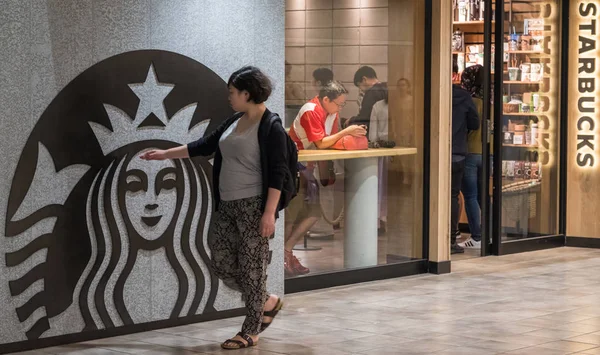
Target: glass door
526,102
472,57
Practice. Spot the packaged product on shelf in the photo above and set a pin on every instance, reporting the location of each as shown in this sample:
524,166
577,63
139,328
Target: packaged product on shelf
535,171
475,48
519,138
511,126
513,44
458,41
462,11
535,28
534,132
519,169
520,127
513,73
504,168
535,99
525,42
525,71
510,169
528,137
460,62
536,72
481,10
509,137
527,98
473,10
527,170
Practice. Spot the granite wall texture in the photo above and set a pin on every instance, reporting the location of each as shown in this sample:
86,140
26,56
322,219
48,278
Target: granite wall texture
90,236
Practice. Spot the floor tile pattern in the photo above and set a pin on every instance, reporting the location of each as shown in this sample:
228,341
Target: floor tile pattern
539,303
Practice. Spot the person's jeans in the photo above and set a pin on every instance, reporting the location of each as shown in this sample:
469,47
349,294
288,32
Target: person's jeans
470,189
458,169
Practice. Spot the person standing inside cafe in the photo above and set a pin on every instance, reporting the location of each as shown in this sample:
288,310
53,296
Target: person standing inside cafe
315,127
464,119
374,90
472,81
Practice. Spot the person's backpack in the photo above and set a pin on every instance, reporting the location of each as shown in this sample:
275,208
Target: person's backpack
290,184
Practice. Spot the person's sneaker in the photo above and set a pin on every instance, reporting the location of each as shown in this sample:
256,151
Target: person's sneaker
292,265
300,269
456,249
470,244
288,265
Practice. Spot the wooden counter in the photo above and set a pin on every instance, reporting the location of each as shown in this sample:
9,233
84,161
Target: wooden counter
331,154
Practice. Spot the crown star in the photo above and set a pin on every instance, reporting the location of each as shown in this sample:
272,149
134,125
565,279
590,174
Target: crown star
127,130
151,94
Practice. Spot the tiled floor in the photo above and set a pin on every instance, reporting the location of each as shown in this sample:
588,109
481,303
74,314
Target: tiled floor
541,303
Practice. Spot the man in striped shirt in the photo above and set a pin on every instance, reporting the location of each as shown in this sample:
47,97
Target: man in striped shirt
316,127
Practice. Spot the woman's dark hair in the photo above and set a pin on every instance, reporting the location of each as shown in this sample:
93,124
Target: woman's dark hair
364,72
332,90
323,75
254,81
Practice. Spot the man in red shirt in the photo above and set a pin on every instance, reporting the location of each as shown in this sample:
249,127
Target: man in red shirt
316,127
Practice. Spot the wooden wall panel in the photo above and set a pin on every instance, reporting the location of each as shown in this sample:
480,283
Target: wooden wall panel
441,108
583,189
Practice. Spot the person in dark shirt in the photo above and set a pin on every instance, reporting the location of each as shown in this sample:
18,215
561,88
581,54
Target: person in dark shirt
464,119
374,90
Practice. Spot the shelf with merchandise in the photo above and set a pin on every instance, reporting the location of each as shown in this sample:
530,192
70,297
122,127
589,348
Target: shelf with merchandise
526,146
523,114
520,82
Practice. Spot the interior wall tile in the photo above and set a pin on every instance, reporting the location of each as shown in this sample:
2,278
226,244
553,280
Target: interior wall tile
346,55
295,19
346,18
374,17
318,55
295,5
319,37
318,18
346,36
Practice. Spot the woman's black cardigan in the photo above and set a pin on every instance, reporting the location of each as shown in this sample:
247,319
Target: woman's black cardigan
273,153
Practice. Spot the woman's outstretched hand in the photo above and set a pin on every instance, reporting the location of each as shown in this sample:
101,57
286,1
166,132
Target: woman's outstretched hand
154,155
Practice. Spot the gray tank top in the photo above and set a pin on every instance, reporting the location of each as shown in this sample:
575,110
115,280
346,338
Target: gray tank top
241,173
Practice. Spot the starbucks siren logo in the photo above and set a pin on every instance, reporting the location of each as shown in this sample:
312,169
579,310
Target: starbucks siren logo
97,237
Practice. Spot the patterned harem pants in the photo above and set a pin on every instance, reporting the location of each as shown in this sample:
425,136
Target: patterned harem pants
240,255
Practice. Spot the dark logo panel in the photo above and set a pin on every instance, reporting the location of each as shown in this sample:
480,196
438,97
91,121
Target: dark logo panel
97,233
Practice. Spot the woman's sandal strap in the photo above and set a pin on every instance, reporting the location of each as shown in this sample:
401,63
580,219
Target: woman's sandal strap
272,313
239,343
247,338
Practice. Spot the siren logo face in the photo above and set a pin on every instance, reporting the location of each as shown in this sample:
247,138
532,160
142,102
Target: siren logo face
95,236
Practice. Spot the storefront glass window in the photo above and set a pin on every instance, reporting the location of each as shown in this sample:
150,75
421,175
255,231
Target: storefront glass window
367,211
531,83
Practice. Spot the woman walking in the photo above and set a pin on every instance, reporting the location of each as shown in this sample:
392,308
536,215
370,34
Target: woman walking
250,167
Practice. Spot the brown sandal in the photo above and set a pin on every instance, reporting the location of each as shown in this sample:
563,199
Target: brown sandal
272,313
236,344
